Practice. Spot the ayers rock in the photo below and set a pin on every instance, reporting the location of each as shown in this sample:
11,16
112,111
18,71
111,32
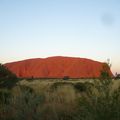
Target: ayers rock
57,67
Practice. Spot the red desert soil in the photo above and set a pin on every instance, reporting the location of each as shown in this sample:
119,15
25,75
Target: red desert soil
57,67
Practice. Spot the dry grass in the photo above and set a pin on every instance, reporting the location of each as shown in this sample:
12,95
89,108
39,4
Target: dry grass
58,103
116,84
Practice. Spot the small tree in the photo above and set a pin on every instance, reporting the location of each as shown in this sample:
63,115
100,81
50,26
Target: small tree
7,78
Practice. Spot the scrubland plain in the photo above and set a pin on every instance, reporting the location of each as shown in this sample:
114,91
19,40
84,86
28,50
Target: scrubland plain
58,99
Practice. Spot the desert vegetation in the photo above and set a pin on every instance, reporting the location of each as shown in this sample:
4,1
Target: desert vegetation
7,78
92,99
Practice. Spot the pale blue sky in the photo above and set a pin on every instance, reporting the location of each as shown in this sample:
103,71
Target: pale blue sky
43,28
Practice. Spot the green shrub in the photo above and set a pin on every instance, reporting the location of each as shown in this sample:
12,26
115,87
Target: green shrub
100,102
4,72
7,78
80,87
66,78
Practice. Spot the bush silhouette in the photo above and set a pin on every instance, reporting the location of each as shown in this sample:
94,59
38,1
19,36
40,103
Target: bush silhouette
65,77
7,78
80,87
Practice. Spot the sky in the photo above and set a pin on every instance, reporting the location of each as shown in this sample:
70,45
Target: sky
76,28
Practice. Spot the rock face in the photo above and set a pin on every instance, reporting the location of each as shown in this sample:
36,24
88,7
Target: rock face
57,67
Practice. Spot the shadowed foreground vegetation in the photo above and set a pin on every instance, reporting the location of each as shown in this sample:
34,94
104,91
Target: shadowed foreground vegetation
61,100
7,78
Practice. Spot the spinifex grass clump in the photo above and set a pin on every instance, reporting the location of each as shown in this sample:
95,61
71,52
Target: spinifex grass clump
23,106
